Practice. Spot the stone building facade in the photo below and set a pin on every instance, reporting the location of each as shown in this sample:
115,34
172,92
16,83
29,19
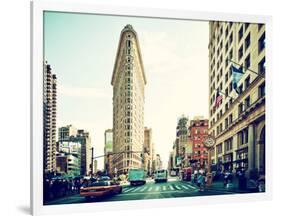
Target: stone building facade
49,119
238,121
128,81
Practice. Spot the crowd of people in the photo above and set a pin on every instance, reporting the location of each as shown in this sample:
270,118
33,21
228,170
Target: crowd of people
59,187
199,178
257,184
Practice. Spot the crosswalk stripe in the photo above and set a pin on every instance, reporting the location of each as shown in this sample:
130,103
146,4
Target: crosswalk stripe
171,187
155,188
143,189
191,186
135,190
185,187
128,189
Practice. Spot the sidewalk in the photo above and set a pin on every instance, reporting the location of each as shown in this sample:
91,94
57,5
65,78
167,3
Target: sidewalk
219,186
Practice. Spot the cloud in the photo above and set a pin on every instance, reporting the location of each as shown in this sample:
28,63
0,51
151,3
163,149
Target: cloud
82,92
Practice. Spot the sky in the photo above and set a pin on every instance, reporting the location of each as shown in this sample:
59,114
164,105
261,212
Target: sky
81,49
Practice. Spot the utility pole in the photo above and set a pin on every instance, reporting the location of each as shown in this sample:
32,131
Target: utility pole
92,162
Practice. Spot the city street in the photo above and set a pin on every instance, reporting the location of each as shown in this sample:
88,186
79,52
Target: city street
171,189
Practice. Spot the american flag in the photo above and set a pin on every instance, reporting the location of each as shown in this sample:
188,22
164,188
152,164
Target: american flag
218,98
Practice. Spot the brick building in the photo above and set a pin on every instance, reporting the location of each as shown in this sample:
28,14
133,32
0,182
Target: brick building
198,130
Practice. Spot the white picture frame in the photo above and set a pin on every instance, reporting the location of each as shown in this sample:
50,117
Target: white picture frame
37,9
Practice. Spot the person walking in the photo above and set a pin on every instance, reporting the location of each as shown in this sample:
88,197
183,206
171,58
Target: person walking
201,182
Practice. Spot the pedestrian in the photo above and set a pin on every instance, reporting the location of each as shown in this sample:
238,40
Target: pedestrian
200,182
225,178
192,178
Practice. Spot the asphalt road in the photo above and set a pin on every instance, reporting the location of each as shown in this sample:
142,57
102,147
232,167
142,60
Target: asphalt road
172,189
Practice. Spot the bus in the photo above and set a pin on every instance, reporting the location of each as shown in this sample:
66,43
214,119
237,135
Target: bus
137,176
161,176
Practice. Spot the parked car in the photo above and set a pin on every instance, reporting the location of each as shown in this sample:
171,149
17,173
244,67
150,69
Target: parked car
99,189
104,178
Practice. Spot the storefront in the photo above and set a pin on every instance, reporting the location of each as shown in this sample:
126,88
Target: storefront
228,161
241,162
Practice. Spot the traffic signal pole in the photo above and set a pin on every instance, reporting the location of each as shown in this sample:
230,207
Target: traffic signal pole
92,162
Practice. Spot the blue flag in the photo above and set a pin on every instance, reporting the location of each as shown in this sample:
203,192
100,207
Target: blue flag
236,76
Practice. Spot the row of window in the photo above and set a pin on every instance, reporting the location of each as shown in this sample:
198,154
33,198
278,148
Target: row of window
241,108
227,145
219,33
202,131
242,87
228,44
204,152
243,48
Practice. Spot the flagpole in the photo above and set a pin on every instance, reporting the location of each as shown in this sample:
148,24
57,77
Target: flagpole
259,74
231,97
227,95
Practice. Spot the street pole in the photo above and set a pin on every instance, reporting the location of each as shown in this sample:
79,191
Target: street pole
92,162
209,160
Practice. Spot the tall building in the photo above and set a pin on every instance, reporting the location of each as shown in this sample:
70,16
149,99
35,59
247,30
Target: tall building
158,162
148,150
238,120
84,138
170,162
95,166
128,81
66,132
108,150
70,134
181,153
68,164
198,131
69,158
49,119
182,140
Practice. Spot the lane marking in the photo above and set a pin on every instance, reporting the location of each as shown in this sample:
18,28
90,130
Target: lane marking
171,187
164,188
149,189
177,187
157,188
